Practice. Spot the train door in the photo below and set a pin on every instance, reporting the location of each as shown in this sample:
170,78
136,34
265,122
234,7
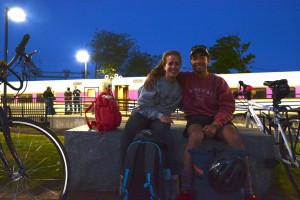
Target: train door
121,93
89,95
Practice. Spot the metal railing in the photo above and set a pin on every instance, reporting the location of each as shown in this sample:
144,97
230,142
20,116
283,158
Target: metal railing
34,108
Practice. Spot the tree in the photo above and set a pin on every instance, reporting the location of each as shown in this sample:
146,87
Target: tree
139,63
110,51
118,53
227,55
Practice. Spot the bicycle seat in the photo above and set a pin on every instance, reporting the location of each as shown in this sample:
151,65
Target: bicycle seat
275,83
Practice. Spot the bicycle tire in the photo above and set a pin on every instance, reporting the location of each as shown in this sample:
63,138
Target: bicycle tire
240,120
44,158
291,129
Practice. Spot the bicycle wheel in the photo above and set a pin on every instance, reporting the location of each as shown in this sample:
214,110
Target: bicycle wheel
45,161
291,129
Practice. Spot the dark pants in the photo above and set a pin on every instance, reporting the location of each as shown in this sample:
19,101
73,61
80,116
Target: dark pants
49,106
68,103
76,103
160,130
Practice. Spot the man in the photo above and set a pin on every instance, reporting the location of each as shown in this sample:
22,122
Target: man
68,101
49,96
76,99
208,105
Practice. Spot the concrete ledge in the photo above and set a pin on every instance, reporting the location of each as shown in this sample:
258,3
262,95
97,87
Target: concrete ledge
96,162
67,121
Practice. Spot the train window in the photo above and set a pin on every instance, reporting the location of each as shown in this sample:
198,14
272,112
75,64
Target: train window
25,98
259,93
91,93
40,98
292,93
9,98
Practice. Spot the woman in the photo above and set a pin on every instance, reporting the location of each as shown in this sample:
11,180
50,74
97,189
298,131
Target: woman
155,106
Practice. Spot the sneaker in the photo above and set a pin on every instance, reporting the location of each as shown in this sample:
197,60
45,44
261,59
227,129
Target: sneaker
186,196
251,197
174,187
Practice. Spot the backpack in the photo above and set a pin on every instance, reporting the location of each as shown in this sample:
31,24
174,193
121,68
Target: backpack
143,169
107,114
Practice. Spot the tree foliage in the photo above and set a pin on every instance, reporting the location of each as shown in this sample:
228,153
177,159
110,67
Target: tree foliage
139,63
118,53
228,55
110,51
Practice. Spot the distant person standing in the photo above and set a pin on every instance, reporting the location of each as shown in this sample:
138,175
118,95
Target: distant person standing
68,101
48,96
76,99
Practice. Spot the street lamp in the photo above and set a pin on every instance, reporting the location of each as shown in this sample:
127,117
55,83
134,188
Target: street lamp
83,56
17,15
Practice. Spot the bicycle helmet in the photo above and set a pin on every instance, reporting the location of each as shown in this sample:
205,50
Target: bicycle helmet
227,173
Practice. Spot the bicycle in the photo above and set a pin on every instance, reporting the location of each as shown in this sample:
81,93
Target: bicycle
278,121
34,163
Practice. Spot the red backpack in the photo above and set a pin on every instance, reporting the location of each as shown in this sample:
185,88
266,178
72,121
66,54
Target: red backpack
107,114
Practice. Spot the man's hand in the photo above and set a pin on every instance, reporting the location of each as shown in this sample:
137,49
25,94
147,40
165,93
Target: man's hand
149,82
166,119
210,130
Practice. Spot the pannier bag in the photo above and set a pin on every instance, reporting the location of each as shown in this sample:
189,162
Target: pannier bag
107,114
281,90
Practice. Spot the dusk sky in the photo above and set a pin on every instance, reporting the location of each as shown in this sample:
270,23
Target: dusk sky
59,28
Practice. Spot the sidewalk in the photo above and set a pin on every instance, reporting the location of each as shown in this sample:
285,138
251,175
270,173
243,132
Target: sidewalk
272,195
93,196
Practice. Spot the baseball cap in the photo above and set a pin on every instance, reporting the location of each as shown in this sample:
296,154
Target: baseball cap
200,48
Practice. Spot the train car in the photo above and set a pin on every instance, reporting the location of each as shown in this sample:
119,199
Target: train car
127,87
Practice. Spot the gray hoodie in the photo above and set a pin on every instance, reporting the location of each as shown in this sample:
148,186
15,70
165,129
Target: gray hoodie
163,99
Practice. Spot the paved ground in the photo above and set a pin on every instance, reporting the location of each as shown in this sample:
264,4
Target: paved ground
272,195
94,196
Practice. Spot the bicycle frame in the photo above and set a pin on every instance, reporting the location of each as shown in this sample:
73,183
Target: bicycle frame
251,112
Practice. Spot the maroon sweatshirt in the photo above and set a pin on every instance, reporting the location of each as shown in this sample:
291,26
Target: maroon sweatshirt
210,96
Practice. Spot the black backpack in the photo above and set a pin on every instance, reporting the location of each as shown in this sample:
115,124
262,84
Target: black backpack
143,169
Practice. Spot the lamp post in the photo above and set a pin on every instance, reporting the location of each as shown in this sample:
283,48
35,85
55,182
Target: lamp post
17,15
83,56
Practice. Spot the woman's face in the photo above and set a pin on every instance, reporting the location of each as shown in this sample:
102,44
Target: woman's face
172,67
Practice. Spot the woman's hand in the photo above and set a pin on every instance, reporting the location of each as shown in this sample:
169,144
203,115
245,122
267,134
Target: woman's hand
166,119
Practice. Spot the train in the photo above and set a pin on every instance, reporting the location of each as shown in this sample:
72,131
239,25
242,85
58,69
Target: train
127,87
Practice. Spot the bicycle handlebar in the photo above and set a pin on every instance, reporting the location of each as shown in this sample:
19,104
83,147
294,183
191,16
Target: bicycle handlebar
21,47
20,51
244,90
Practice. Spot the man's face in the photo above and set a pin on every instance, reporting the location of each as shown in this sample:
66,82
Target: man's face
199,62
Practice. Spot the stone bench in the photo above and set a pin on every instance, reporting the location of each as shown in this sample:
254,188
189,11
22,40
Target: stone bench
96,158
